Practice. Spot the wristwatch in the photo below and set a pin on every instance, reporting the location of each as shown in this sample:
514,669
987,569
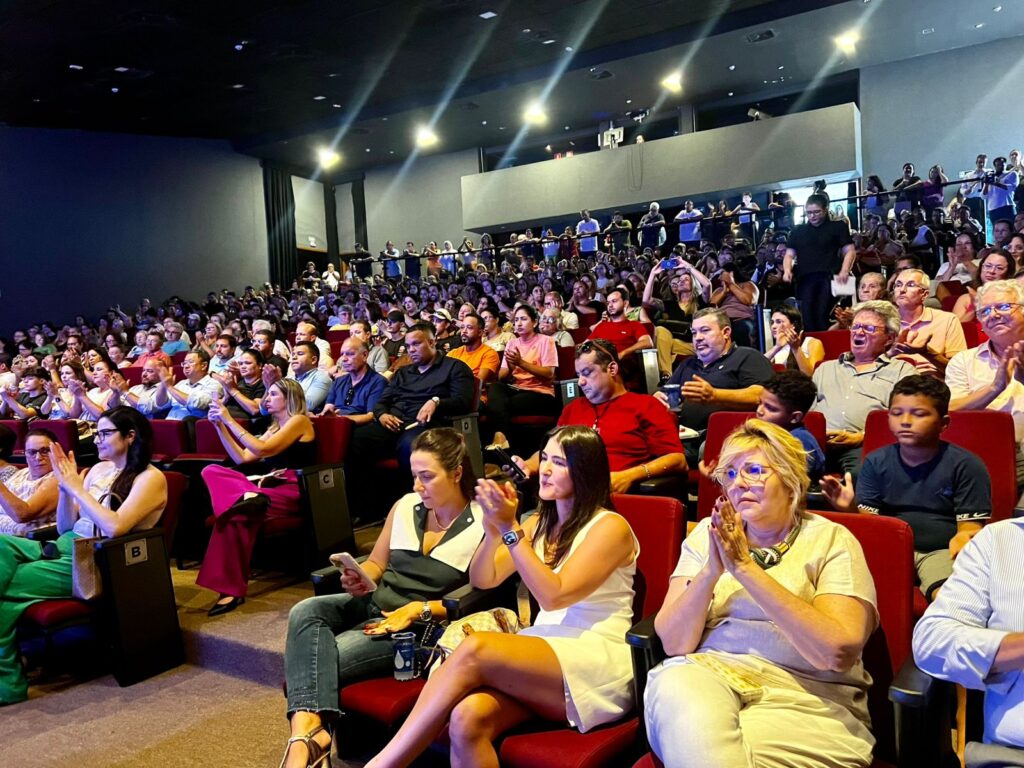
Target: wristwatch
513,537
425,613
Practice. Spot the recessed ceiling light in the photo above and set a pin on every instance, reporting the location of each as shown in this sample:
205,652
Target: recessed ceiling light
730,93
567,127
336,106
319,98
36,101
483,122
335,74
629,101
527,30
115,90
979,25
732,67
383,119
927,30
548,147
847,42
568,49
501,127
327,157
239,46
391,151
549,41
997,9
238,86
488,15
766,82
76,67
673,82
367,149
121,69
535,114
781,67
425,137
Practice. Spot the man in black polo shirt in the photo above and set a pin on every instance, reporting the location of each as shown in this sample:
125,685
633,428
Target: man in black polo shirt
815,248
719,377
424,394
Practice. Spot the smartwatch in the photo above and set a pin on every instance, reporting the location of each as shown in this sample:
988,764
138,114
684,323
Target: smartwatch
513,537
425,613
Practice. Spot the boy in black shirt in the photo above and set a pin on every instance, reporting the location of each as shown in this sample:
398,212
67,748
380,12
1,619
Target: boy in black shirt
941,490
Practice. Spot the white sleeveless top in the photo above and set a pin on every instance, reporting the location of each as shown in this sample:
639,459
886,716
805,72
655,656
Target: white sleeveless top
97,483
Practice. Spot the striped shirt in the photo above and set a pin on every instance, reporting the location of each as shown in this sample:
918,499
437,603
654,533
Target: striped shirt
960,633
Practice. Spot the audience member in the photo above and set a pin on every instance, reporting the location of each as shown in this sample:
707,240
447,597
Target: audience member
242,384
928,338
812,258
627,336
690,289
997,265
550,324
241,503
426,548
586,228
444,331
90,404
174,343
578,560
223,354
860,381
765,621
553,301
941,490
120,494
312,378
377,356
28,496
482,360
190,397
784,401
792,349
25,401
142,396
306,332
356,391
153,349
973,633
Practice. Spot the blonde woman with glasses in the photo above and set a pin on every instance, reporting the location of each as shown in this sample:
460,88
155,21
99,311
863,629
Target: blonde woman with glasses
764,623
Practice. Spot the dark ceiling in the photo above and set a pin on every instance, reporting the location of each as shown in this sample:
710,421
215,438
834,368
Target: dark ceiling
275,77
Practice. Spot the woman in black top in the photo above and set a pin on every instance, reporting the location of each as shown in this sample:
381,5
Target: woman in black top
243,385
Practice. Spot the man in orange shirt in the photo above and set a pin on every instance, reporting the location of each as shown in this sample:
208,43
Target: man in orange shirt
482,359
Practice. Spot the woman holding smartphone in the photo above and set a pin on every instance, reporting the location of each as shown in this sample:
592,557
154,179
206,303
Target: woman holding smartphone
578,559
425,550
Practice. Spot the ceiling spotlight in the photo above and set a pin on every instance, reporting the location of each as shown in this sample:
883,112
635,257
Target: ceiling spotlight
568,49
76,67
673,82
535,114
327,157
483,122
527,30
121,70
979,25
319,98
847,42
391,151
997,9
115,90
501,127
781,67
549,41
488,15
336,106
367,149
425,137
629,101
756,114
732,67
927,30
567,127
730,93
547,148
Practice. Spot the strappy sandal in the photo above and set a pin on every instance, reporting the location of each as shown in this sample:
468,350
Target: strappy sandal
319,757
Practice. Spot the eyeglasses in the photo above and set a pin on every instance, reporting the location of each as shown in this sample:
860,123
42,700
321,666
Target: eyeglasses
103,434
908,286
34,452
867,328
752,474
350,395
1003,308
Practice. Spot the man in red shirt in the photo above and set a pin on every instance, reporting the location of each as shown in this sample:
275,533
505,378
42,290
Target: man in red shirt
641,436
154,349
627,336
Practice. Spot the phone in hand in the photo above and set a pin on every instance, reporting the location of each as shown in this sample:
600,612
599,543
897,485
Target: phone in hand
343,560
669,264
517,472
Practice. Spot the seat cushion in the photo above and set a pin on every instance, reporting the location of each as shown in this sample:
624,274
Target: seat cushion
50,613
383,699
568,748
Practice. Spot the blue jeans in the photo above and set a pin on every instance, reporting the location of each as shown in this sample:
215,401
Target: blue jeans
326,650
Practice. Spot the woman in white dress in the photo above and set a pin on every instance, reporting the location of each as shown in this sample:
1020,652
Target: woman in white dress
792,349
572,666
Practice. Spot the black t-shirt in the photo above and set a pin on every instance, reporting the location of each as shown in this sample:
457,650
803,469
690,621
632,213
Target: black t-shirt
817,248
931,497
739,368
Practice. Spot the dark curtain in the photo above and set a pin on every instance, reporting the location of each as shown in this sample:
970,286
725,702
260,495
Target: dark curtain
280,207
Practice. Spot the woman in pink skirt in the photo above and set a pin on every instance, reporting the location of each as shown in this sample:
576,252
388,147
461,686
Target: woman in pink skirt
244,498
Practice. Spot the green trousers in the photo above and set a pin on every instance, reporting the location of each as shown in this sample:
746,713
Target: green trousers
26,578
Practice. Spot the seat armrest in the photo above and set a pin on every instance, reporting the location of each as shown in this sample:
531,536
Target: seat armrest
43,533
647,652
117,541
916,689
672,486
462,602
326,581
642,635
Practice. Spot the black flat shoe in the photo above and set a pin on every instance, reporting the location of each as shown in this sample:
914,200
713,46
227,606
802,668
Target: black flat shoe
219,609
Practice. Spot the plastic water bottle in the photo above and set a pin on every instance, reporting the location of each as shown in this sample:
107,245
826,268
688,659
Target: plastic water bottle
405,655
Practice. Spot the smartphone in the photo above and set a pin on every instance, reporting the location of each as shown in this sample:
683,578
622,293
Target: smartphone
344,560
506,460
669,263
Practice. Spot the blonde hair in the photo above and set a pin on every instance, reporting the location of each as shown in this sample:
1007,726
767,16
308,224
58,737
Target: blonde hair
784,455
293,395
